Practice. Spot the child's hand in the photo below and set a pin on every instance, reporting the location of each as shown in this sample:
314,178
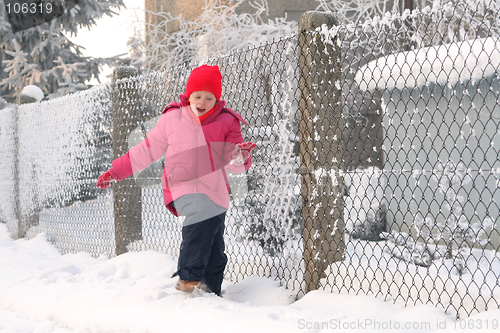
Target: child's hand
247,145
104,180
242,152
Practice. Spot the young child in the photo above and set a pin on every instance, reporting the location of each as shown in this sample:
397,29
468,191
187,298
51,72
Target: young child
200,138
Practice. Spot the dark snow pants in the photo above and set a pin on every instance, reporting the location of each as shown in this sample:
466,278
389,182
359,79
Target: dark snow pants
202,256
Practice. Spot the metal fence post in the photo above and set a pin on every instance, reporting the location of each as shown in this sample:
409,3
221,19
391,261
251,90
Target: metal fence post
321,147
126,194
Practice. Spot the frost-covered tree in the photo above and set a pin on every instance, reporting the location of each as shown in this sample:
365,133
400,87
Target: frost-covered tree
45,57
357,10
218,30
445,22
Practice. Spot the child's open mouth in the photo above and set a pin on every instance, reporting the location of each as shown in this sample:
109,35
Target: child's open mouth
200,110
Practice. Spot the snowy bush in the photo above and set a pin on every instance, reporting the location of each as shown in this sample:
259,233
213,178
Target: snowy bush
33,92
273,205
452,238
456,231
365,207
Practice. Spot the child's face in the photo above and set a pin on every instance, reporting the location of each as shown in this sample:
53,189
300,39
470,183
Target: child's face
201,102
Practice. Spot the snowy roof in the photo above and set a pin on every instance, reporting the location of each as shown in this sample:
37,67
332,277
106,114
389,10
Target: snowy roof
444,64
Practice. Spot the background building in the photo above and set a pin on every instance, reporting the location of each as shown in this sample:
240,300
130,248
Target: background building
190,9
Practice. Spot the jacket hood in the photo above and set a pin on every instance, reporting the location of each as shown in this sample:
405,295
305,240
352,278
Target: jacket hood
219,108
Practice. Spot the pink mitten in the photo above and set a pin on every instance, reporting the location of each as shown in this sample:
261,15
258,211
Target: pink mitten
104,180
242,152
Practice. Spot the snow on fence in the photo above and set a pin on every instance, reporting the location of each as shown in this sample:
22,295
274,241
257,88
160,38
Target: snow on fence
374,174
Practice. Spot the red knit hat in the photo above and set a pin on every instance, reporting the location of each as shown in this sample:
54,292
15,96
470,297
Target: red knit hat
205,78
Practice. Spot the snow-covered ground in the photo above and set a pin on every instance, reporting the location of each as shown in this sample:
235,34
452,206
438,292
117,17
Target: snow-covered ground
43,291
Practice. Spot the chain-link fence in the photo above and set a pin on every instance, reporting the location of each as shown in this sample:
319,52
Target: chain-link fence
376,170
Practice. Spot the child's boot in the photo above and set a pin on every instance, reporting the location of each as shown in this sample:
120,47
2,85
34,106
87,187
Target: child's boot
189,286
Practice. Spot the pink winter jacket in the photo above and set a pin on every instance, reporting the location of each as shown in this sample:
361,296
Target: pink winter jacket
196,155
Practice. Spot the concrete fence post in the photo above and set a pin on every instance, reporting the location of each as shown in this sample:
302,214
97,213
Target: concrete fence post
28,219
126,194
17,179
321,147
